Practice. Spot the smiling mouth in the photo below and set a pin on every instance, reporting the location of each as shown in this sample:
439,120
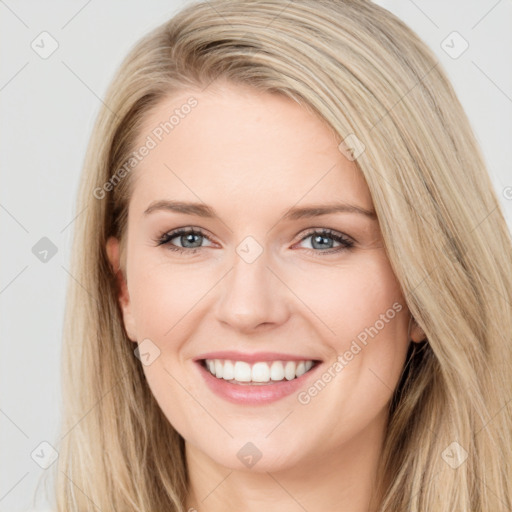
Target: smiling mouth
258,373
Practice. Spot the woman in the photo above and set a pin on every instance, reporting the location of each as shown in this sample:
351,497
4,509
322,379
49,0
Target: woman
337,335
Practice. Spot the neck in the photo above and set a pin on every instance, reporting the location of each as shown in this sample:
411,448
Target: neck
343,479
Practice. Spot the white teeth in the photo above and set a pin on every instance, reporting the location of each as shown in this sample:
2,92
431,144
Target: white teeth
242,371
260,372
277,371
218,368
289,370
301,369
228,372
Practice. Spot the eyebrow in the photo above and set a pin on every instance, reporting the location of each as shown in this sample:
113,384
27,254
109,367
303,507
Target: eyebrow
295,213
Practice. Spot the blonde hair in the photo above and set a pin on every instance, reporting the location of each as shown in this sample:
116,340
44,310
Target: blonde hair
365,73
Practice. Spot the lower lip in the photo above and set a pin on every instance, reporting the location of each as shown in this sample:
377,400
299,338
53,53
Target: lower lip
255,394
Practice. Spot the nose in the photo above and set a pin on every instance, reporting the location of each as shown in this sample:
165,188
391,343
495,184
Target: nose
252,297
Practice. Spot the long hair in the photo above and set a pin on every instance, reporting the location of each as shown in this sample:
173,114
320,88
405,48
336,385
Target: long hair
448,443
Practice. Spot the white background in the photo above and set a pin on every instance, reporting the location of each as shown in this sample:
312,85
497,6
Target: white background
48,109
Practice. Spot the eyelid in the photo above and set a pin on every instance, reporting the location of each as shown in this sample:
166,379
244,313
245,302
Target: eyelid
327,231
309,231
345,242
173,233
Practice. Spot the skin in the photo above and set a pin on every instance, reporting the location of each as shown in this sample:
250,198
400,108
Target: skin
252,156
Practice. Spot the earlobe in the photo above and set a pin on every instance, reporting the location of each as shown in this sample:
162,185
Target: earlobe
123,296
416,333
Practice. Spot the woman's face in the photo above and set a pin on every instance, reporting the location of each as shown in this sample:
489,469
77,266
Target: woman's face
258,178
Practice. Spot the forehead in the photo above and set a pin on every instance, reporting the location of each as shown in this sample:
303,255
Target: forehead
253,149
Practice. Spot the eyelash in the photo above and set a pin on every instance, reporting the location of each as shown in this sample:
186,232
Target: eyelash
166,237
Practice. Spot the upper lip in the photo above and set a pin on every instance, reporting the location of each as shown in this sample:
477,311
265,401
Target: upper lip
255,357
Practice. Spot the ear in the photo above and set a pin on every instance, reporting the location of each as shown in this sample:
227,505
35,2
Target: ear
122,287
416,333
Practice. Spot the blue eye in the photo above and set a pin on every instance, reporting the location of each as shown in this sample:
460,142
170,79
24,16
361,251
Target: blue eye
320,240
186,236
191,241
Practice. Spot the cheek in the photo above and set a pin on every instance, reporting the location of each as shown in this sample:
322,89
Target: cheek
162,295
164,300
350,298
361,313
